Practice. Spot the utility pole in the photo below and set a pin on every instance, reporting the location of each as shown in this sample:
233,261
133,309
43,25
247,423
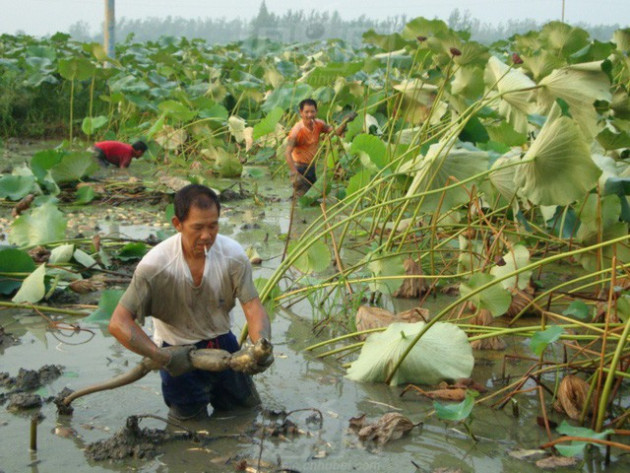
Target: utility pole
109,29
563,11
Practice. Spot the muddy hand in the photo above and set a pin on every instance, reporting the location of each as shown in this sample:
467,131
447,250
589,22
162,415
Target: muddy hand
179,359
253,359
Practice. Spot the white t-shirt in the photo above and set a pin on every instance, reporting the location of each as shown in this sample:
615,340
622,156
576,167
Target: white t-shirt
162,287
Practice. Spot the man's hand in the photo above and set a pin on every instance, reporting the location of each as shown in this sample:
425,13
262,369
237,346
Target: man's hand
179,359
253,359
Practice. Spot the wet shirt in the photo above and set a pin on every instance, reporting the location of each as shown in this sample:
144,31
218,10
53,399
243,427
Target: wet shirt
116,152
306,141
163,287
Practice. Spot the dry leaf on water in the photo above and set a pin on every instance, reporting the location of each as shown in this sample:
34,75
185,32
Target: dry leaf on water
39,254
572,395
374,317
556,462
411,287
484,317
520,299
83,286
22,205
391,426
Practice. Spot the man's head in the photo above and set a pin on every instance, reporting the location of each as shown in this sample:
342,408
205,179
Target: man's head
197,211
308,110
139,148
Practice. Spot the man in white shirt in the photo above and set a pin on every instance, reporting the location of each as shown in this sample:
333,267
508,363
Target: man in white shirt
188,284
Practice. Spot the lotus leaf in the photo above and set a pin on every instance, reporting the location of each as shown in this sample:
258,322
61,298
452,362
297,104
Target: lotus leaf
494,298
91,124
268,124
579,85
86,260
61,254
611,140
442,353
33,288
621,38
45,160
390,268
170,138
373,147
74,167
13,260
177,110
227,164
558,168
542,63
41,225
455,412
514,92
357,182
540,340
444,166
106,305
563,39
16,187
577,309
76,68
132,251
576,448
85,195
236,126
390,42
314,260
468,82
516,258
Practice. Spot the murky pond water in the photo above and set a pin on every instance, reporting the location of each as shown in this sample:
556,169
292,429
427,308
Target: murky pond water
296,381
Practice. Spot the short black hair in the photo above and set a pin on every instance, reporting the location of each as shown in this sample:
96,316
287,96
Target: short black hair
196,195
140,146
305,102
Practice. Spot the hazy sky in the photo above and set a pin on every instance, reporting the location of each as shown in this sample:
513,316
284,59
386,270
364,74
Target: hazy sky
40,17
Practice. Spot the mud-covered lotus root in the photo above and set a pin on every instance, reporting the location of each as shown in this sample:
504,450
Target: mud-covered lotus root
210,359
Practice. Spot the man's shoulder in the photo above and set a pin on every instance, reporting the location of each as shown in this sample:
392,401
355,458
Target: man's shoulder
162,254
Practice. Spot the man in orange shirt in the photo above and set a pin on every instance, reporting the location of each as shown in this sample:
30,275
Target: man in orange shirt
303,143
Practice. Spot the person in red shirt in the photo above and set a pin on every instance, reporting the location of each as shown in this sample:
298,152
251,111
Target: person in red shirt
303,143
117,153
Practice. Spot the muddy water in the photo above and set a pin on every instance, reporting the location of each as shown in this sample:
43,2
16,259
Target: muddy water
296,381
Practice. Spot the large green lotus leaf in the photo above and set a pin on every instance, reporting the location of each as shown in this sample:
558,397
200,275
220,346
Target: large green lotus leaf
579,85
16,187
314,260
563,39
372,146
322,76
576,448
177,110
74,167
558,168
13,260
227,164
468,82
39,226
61,254
132,251
542,63
494,298
389,42
44,161
359,181
611,140
287,97
106,305
438,170
621,38
515,102
85,259
76,68
424,28
596,211
417,90
591,261
385,267
515,259
443,353
33,288
92,124
268,124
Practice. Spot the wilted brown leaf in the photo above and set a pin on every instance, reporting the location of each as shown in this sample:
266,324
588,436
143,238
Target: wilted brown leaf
374,317
484,317
96,242
391,426
22,205
357,423
520,299
572,395
555,462
83,286
411,287
39,254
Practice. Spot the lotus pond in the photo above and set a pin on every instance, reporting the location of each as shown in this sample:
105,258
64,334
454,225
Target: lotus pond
458,274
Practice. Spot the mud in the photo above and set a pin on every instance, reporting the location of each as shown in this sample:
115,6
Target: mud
29,380
129,442
7,340
24,401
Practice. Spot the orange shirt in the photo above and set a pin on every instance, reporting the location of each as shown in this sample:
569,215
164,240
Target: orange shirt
306,141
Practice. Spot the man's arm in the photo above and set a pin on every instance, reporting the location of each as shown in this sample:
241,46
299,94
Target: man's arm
258,323
344,123
288,154
124,328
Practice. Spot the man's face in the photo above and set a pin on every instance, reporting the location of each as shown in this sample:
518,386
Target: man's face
199,230
308,114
